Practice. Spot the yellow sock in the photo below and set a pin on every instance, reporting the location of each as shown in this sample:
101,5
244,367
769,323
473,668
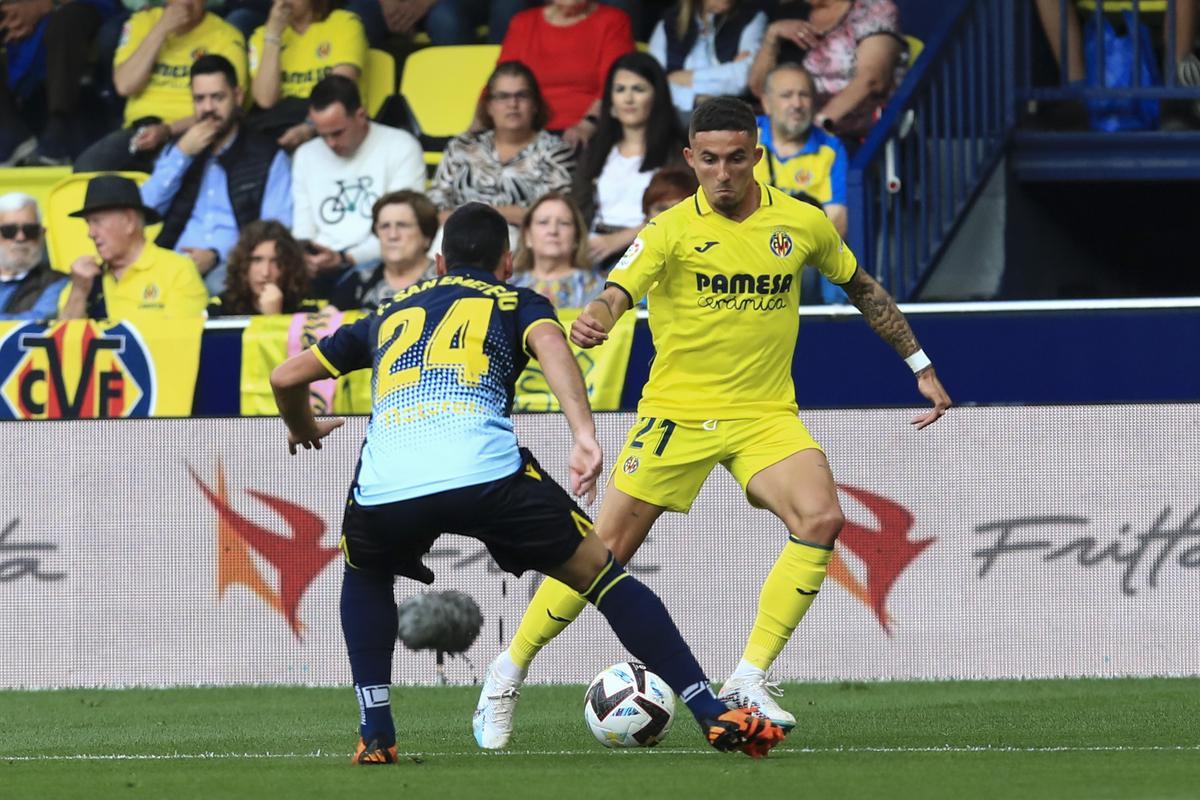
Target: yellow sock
554,606
787,593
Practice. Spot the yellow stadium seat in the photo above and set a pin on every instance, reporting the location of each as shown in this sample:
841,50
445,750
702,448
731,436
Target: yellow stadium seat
915,48
1146,6
442,85
33,181
380,79
421,38
66,236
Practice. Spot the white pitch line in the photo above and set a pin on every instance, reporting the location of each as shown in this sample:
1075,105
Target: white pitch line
632,751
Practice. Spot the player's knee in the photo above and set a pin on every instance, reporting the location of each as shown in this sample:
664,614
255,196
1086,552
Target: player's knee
821,527
582,568
623,550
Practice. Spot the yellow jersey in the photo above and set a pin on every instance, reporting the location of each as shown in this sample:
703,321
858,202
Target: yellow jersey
724,302
161,284
310,56
168,95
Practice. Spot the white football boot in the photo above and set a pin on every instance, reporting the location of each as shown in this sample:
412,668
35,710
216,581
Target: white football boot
493,719
754,690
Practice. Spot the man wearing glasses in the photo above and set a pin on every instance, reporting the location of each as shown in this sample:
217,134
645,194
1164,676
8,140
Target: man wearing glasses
29,289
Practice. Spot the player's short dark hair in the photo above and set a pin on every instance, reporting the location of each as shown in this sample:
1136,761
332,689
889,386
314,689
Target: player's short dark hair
335,89
475,235
724,114
212,64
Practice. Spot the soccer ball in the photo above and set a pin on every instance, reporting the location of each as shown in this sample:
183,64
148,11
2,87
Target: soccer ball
627,705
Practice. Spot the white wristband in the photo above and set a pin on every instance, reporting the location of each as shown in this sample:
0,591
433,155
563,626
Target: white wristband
918,361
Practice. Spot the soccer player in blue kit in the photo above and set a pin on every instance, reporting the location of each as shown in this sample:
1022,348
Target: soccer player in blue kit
441,457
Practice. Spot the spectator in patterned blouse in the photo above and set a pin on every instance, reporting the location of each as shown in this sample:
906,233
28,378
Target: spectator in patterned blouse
552,254
853,48
510,163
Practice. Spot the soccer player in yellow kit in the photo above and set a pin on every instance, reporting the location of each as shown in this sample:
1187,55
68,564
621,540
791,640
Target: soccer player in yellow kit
722,270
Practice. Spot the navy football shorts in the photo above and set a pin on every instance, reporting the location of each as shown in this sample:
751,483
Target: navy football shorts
526,521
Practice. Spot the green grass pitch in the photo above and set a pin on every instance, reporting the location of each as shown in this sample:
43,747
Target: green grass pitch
1019,739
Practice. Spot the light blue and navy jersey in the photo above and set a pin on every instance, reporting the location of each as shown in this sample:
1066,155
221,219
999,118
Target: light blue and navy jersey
445,354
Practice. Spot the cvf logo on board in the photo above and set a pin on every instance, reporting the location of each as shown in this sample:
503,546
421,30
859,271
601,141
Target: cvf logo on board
75,370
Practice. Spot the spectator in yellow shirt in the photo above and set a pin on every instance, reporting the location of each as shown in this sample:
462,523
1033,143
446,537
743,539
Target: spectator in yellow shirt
133,278
152,70
302,42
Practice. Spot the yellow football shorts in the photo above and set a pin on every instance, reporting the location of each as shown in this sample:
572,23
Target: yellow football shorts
665,462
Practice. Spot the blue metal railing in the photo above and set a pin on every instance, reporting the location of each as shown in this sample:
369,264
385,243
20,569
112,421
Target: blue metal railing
1072,36
939,138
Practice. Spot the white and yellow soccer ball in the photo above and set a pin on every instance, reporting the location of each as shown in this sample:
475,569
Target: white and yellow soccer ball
627,705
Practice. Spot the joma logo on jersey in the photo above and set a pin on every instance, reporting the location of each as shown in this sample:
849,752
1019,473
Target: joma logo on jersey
743,283
74,370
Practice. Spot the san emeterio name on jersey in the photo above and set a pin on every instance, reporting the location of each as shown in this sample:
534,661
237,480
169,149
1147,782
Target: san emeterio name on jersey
743,291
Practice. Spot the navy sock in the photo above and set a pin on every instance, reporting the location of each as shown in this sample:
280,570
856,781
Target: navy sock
643,625
369,624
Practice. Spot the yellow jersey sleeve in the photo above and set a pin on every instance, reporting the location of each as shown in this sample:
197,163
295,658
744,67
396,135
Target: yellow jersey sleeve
643,263
349,40
831,255
134,32
254,50
226,40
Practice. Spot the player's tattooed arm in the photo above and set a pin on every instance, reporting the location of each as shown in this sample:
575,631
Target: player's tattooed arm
881,313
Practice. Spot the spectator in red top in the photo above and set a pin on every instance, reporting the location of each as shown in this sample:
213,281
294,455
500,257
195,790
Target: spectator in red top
570,46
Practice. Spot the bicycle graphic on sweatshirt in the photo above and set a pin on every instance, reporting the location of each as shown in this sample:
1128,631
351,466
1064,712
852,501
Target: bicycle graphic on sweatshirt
351,197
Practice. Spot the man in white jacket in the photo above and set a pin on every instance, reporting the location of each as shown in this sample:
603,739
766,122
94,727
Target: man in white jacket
338,176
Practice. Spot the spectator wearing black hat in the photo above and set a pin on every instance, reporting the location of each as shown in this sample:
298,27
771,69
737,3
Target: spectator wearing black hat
133,278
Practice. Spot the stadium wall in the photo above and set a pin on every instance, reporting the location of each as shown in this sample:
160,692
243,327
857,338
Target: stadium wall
1001,542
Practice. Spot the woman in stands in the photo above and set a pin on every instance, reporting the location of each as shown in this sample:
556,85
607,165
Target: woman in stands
513,160
405,223
669,186
266,274
706,47
301,42
569,45
854,50
638,133
552,254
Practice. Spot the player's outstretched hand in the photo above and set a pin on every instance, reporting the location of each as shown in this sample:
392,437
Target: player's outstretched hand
587,332
929,386
312,439
586,462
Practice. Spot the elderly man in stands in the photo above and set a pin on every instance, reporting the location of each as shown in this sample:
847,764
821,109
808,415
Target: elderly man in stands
152,71
133,278
337,177
799,157
29,289
218,177
802,159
